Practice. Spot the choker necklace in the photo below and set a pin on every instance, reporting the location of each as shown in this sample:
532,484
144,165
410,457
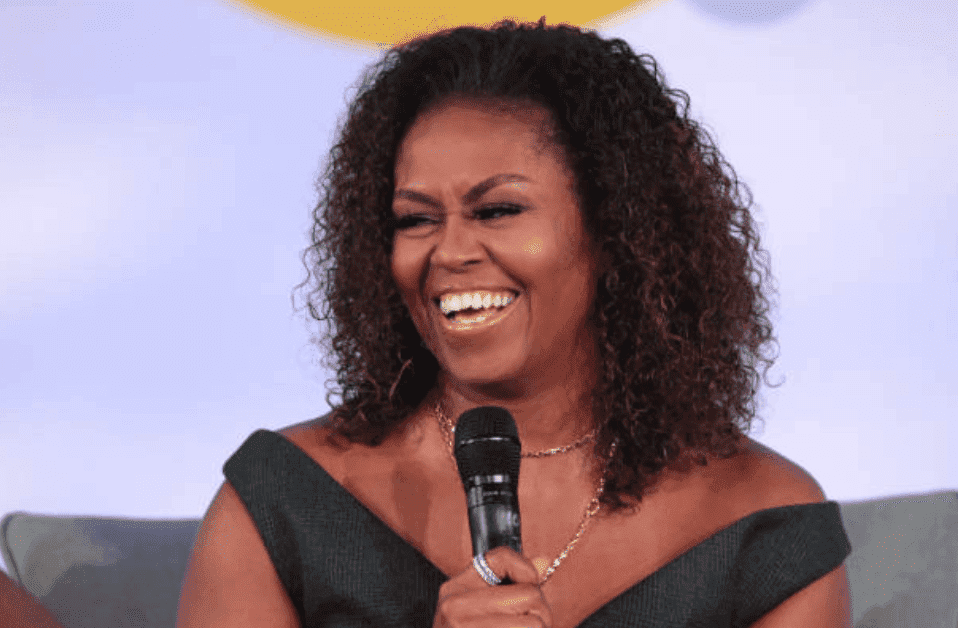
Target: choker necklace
594,506
450,429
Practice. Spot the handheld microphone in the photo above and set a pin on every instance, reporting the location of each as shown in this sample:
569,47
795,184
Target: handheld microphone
487,452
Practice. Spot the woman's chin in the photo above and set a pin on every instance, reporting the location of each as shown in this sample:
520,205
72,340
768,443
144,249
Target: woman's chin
480,377
498,383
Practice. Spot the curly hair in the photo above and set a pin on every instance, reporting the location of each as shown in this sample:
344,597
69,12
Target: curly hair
681,314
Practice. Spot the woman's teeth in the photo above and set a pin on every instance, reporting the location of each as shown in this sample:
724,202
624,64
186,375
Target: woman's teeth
475,301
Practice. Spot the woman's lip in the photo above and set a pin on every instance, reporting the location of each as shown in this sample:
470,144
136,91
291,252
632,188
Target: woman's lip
492,320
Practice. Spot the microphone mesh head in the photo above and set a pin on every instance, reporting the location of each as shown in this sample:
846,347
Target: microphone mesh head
487,443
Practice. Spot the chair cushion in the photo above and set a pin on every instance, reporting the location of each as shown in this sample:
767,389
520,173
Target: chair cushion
903,568
93,572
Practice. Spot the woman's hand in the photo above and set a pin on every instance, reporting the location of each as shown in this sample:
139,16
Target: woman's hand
468,600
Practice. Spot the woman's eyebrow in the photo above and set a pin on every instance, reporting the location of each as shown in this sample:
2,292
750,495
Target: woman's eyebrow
470,197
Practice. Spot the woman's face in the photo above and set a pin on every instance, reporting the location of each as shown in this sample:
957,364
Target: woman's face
478,209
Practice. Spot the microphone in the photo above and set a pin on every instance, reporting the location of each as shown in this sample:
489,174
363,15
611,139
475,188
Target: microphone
487,452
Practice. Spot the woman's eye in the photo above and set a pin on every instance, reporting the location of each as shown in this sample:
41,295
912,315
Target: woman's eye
407,222
509,210
485,213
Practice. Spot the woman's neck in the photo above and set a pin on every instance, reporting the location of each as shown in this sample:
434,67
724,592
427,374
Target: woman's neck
544,419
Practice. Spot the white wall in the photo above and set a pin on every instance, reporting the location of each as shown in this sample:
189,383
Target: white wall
156,175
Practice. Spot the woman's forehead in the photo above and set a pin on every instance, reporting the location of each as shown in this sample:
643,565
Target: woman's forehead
464,159
474,132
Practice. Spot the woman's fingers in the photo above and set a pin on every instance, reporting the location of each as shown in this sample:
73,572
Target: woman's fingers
504,561
467,599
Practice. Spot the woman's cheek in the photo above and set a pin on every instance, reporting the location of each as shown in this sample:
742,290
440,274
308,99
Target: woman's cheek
533,246
402,267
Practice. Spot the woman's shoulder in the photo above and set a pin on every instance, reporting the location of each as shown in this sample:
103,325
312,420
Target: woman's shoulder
690,507
790,481
317,439
361,469
725,491
321,422
699,502
760,478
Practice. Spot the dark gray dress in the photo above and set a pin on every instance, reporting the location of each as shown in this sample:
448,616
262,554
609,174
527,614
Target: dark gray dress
342,566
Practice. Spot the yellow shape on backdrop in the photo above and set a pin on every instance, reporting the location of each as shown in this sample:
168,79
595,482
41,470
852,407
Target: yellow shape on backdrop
384,23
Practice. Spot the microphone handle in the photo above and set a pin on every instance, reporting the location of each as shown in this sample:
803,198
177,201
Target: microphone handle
493,516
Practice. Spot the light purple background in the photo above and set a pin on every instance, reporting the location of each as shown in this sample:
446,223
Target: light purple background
157,162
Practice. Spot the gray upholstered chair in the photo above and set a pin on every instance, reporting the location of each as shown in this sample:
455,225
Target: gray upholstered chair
95,572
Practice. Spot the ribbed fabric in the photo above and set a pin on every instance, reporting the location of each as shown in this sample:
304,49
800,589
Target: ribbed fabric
342,566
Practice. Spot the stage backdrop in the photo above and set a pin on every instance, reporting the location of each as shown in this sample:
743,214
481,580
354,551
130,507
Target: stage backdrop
157,162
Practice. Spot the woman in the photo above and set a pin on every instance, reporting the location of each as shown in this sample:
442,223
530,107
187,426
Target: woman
522,217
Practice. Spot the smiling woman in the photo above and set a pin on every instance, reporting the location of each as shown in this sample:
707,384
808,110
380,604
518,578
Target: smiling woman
539,252
523,217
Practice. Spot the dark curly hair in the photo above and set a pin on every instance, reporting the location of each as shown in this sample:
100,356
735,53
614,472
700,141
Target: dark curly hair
682,311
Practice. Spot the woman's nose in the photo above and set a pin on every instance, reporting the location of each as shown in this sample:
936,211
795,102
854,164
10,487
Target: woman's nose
457,243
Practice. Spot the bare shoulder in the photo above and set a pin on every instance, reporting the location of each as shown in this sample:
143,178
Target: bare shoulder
727,490
345,460
826,601
321,443
230,578
781,482
756,479
310,427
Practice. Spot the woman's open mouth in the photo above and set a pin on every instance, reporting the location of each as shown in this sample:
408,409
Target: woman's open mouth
474,320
